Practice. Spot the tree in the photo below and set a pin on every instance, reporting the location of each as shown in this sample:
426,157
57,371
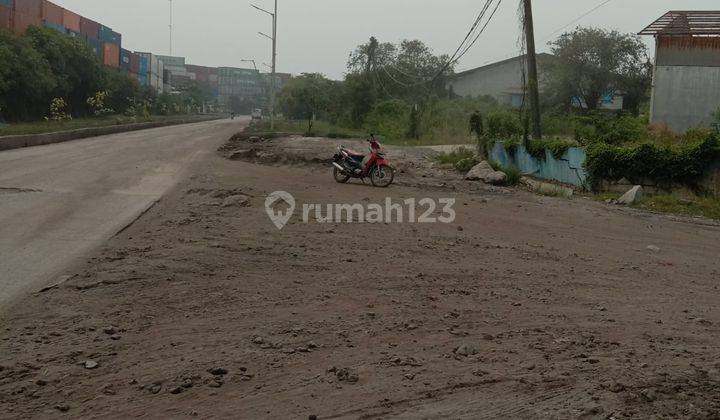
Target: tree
122,90
78,73
26,80
307,96
590,63
379,72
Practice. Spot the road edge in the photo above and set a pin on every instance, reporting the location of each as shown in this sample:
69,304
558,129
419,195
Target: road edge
31,140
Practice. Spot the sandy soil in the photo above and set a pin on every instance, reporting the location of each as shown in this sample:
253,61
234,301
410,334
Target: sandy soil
525,307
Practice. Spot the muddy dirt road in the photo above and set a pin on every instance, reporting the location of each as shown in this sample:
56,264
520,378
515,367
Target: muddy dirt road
59,201
525,307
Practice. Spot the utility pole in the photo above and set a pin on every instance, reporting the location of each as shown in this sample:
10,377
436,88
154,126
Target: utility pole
533,84
273,38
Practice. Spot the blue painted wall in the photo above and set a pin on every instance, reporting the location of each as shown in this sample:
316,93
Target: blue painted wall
568,169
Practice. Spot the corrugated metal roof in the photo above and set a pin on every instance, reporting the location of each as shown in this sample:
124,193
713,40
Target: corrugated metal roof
685,23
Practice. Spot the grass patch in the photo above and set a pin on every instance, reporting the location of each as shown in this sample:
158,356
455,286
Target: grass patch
326,129
513,173
462,159
669,203
41,127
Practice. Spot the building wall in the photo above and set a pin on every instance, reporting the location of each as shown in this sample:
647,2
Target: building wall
686,85
685,97
688,51
500,81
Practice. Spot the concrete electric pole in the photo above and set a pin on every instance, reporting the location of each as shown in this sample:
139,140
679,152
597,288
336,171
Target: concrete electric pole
533,84
273,38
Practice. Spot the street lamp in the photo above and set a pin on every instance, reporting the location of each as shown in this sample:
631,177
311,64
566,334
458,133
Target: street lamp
273,38
250,61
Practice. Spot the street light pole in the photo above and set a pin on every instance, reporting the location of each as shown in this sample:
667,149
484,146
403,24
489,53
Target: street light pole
273,38
250,61
171,27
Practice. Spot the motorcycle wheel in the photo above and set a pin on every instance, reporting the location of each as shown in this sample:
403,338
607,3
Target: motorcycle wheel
340,177
382,176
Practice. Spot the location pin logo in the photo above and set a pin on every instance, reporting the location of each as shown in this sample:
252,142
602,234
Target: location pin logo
273,207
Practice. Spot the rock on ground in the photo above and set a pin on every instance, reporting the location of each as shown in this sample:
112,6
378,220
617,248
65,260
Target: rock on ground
632,196
484,172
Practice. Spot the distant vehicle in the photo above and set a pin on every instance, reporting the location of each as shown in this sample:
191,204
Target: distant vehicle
257,114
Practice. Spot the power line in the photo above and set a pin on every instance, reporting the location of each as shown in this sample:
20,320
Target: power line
455,58
472,29
579,18
497,6
460,52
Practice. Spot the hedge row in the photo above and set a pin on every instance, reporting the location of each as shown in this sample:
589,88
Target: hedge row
684,164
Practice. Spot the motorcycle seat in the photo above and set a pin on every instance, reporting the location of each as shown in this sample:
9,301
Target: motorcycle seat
354,153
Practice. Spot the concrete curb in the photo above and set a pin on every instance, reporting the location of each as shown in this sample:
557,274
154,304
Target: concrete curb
30,140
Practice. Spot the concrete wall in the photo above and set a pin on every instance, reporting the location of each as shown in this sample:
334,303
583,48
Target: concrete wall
685,97
568,169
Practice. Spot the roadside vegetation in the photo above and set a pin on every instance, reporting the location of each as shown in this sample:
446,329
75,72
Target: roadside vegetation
48,78
41,127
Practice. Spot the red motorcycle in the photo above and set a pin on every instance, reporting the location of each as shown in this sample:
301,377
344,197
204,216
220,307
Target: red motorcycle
350,164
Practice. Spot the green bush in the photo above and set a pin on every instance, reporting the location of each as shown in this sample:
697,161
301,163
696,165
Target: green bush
556,147
504,124
389,120
610,129
512,173
667,165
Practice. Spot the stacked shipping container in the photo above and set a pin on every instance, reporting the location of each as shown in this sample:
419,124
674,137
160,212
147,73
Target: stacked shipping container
150,70
71,21
27,13
6,15
154,73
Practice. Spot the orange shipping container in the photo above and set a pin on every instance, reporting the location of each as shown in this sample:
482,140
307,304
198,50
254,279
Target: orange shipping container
52,13
111,55
21,21
6,18
32,9
71,20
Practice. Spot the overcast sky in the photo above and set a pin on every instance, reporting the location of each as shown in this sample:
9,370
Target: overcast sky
318,35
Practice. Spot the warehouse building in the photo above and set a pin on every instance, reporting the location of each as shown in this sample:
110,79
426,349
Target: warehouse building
505,82
240,85
686,78
502,80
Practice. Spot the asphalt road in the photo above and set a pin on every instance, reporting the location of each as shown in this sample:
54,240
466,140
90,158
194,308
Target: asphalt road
60,201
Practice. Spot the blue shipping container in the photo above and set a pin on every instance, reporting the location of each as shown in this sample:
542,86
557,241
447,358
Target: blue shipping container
143,79
77,35
109,36
97,47
124,59
144,65
55,26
